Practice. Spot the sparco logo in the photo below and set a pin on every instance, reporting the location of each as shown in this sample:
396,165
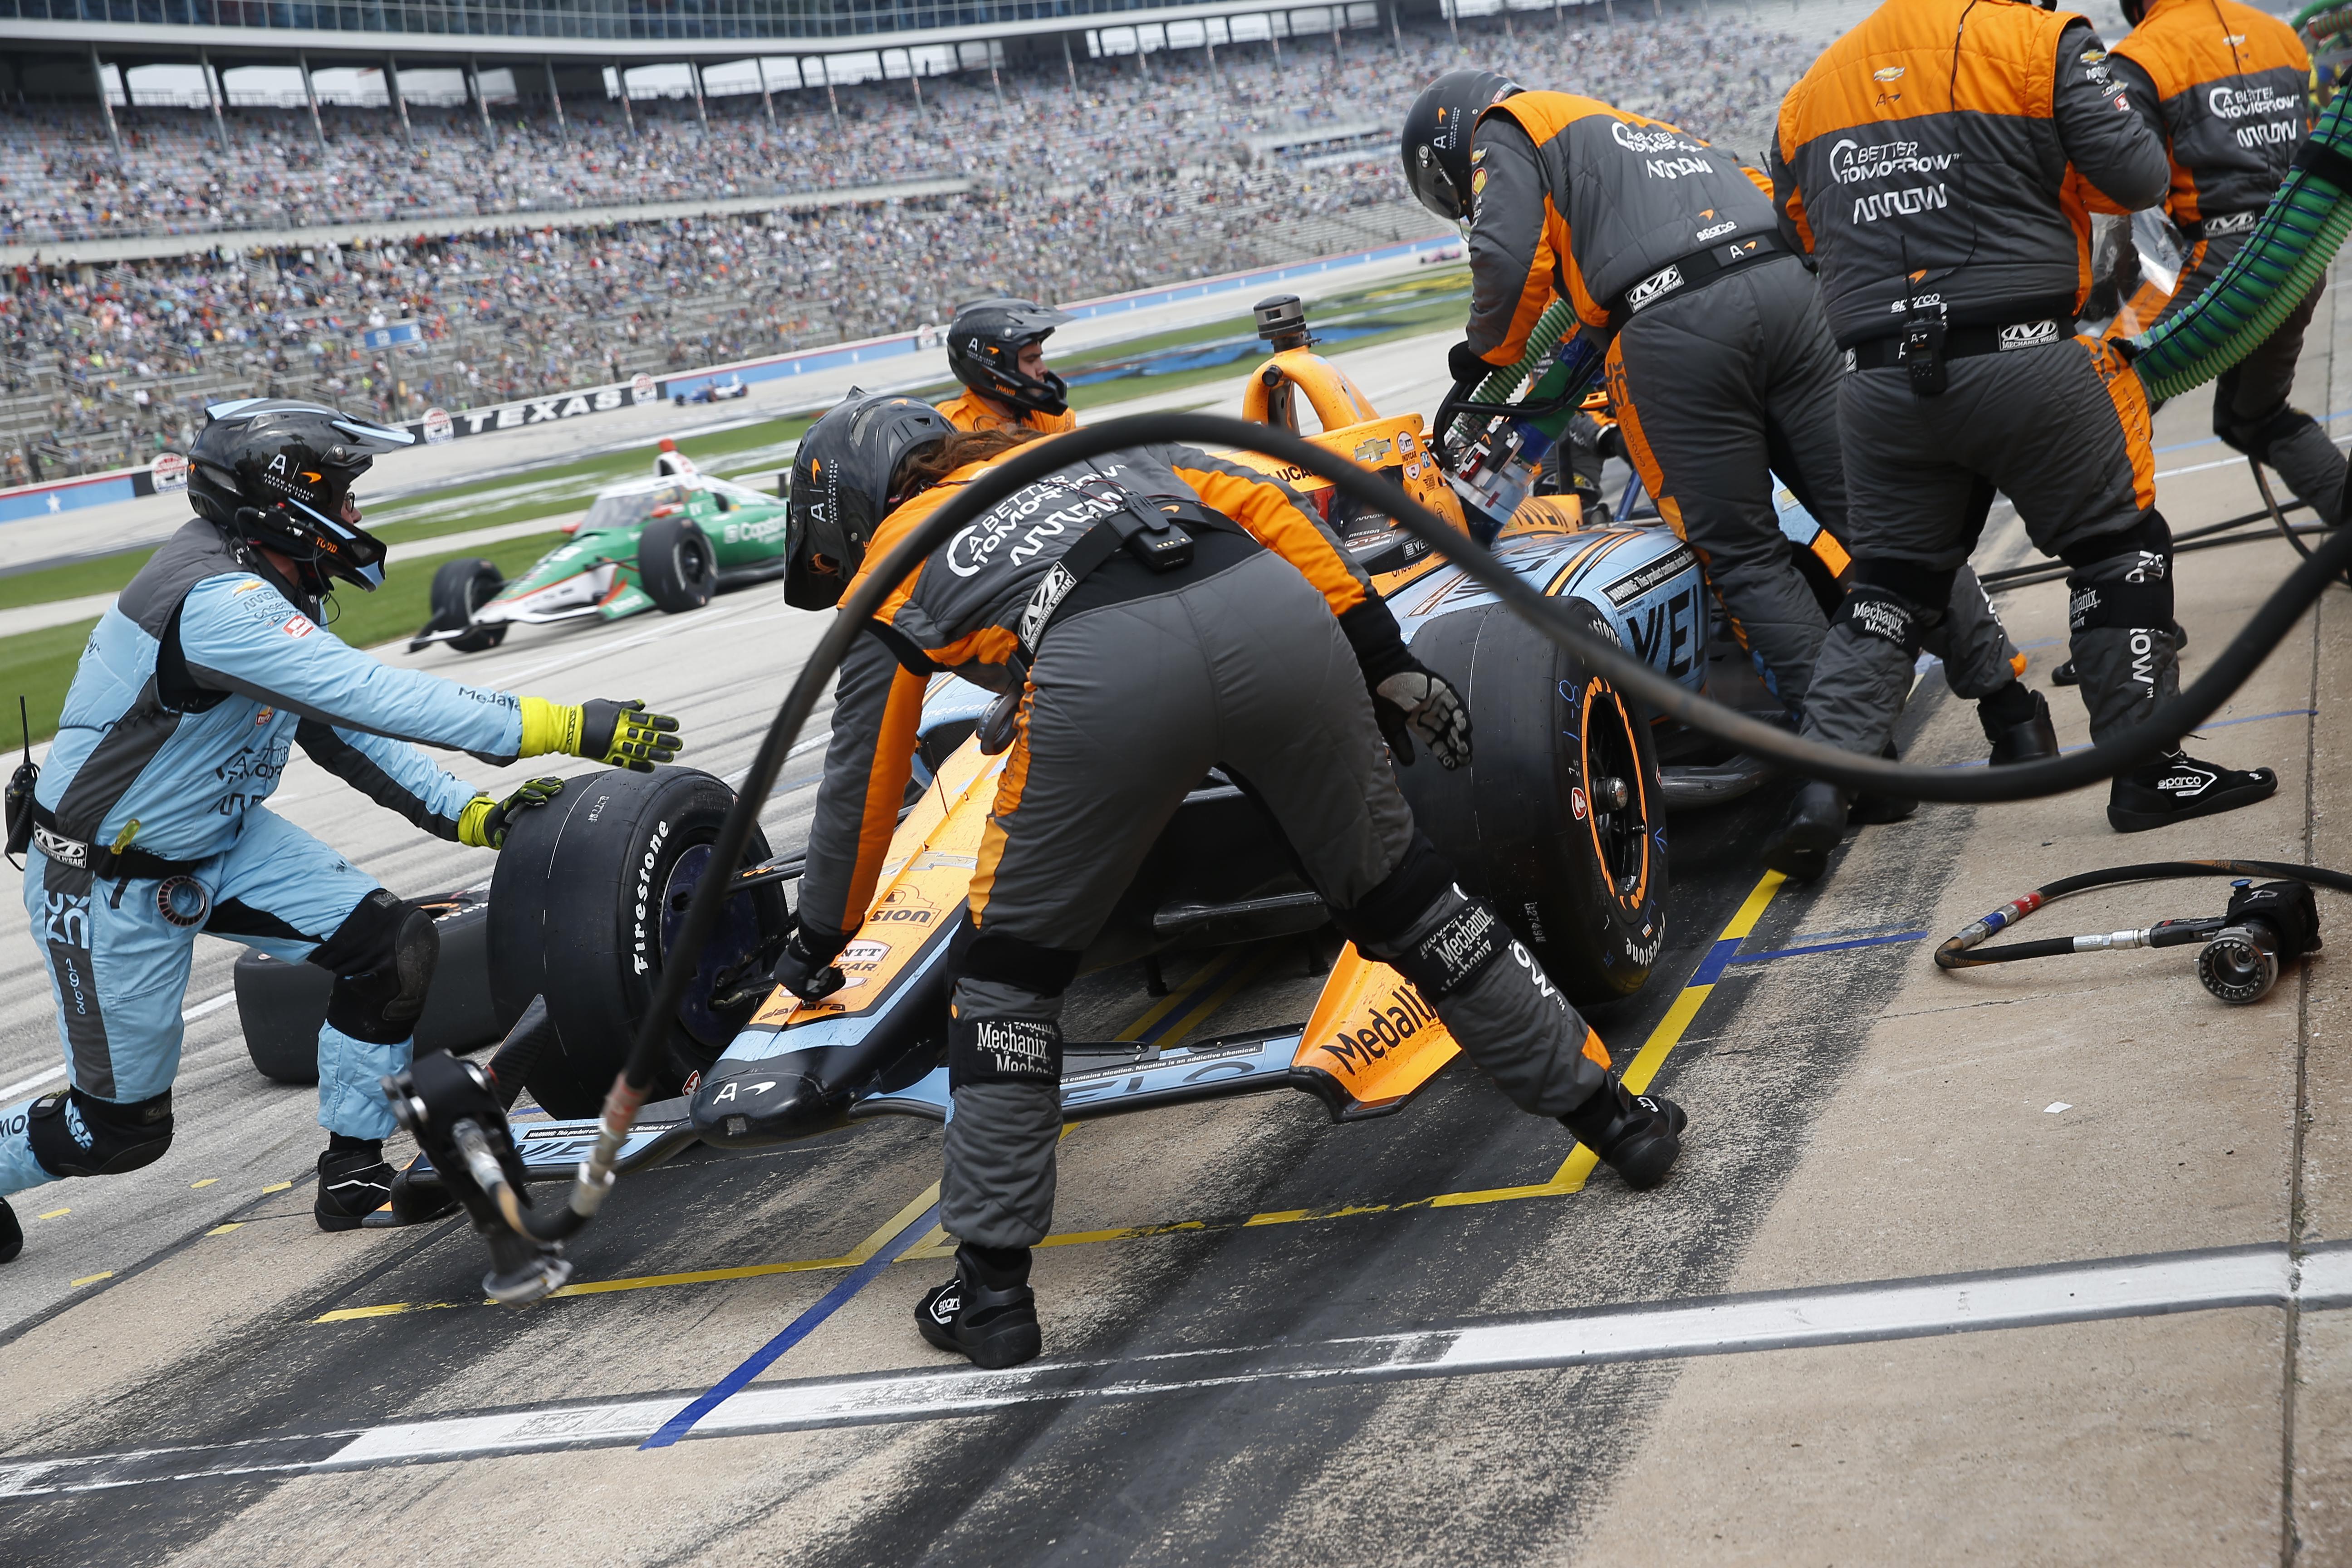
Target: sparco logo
2238,102
1652,287
1652,139
1852,163
1715,231
2027,335
1891,204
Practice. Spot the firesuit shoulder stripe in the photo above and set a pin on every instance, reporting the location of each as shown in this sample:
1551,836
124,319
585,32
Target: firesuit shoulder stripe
1900,64
1277,519
337,753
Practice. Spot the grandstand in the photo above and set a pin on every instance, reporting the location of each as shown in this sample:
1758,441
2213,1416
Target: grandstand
537,240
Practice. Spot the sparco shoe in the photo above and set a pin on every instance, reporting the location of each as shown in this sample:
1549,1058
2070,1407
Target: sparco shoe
12,1235
1799,848
353,1182
987,1313
1638,1136
2177,786
2017,724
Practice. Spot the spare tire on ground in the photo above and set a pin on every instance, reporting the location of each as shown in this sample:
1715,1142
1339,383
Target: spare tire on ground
282,1005
590,891
1560,818
459,588
676,564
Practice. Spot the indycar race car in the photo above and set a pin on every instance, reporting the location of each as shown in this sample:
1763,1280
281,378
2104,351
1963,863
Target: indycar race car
1561,820
714,392
667,542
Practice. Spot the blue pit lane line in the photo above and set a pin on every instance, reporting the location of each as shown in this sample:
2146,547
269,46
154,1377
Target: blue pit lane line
2213,724
807,1323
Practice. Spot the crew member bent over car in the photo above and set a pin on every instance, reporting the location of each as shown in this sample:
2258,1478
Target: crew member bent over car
997,349
148,825
1265,653
1721,369
1957,316
2228,90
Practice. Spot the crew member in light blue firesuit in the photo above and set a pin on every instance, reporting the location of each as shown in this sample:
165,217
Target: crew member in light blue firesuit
148,825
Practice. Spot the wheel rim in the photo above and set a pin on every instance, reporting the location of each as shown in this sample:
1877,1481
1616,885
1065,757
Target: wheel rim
737,938
693,562
1621,834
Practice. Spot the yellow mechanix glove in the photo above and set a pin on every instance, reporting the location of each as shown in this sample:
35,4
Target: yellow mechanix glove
483,824
617,735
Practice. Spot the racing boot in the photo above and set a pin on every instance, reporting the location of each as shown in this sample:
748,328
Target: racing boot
12,1235
1636,1135
987,1312
2176,787
1799,848
1870,810
2016,719
353,1182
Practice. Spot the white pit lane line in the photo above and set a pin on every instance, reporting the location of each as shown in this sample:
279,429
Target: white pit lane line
2261,1276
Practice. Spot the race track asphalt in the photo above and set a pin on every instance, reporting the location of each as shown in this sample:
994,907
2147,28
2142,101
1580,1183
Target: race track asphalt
195,1375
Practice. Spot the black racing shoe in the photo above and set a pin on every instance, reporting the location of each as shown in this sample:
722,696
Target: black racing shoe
1870,810
2066,675
1799,848
353,1182
12,1235
1638,1136
2027,740
994,1327
2176,788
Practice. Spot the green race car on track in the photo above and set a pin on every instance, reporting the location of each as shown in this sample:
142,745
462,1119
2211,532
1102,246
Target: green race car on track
667,542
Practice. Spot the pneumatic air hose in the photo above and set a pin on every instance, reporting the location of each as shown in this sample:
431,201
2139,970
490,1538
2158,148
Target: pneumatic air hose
1557,321
2289,252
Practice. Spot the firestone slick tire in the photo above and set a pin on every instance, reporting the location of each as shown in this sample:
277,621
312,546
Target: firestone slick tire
1533,824
589,889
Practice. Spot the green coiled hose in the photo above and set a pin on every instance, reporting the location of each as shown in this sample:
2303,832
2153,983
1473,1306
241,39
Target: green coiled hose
2289,252
1558,320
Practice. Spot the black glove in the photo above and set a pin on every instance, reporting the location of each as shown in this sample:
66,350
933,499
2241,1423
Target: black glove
484,822
1418,703
805,967
623,734
1463,364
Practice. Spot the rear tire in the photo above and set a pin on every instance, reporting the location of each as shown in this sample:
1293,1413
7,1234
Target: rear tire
589,890
459,588
677,565
1582,883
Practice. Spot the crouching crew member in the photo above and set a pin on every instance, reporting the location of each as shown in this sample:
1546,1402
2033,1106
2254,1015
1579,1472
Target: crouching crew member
997,349
148,826
1932,159
1265,653
2226,89
1721,369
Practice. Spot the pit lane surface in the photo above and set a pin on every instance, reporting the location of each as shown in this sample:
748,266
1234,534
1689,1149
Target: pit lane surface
1857,1117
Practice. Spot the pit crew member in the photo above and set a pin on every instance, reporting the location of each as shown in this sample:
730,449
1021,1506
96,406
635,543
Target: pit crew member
997,349
149,826
1720,367
1934,161
1267,654
2226,89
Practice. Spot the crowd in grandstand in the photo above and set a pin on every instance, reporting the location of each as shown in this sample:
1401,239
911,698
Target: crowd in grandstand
1150,171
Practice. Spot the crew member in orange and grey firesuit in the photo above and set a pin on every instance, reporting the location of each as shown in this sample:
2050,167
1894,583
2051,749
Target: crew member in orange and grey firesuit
997,349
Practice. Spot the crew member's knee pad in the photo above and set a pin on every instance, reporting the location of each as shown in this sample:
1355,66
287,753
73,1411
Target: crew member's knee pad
382,957
2129,589
1895,601
1010,961
1381,920
2255,438
76,1135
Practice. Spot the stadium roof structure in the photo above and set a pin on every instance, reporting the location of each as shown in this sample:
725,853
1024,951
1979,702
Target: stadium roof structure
605,31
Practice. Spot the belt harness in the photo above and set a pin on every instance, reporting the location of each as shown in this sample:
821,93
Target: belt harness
1688,272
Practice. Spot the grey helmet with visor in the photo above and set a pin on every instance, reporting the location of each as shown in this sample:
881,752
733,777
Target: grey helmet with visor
841,489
